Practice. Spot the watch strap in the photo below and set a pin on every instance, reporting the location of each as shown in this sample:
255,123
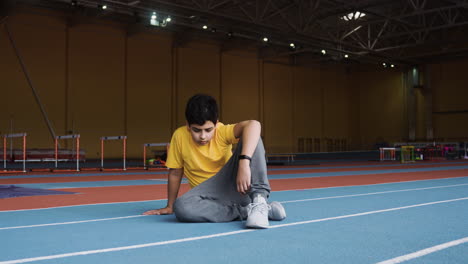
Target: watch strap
245,157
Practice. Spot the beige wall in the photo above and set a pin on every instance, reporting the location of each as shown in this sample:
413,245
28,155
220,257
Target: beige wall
149,91
450,92
95,79
382,105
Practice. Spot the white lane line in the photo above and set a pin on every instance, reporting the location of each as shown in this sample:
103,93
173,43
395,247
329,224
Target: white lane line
375,184
425,251
78,205
284,202
104,250
374,193
72,222
368,213
98,251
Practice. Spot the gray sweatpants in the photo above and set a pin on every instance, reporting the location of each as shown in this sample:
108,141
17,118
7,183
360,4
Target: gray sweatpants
217,199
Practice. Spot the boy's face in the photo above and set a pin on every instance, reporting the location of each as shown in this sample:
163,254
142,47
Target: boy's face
202,134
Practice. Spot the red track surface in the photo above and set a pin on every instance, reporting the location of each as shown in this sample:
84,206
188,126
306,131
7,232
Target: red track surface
156,192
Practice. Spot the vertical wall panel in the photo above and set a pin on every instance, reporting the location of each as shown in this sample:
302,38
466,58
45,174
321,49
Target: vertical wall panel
240,91
335,99
449,94
149,80
97,86
198,72
420,115
278,108
307,103
381,106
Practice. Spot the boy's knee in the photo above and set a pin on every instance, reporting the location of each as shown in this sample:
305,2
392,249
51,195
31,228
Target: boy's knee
182,210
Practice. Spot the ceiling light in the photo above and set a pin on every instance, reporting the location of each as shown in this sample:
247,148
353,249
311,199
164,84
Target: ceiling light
205,27
323,52
346,56
168,19
353,16
292,45
153,16
393,66
384,64
265,39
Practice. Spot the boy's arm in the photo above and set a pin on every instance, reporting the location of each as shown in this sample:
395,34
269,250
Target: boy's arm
174,178
249,131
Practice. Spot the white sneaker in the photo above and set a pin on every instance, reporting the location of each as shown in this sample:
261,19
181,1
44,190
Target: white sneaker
257,213
276,211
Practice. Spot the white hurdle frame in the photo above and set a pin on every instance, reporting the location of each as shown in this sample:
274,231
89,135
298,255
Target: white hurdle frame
124,138
77,142
23,135
391,151
152,145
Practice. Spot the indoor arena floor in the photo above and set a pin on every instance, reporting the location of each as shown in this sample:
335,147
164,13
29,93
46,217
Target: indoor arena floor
337,212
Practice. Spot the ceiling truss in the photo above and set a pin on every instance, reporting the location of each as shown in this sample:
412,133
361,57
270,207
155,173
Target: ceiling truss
398,31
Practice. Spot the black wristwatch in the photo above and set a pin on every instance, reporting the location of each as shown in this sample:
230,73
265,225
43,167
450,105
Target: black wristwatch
245,157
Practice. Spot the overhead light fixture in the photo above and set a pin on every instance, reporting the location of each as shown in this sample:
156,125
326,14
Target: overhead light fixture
384,64
103,7
265,39
353,16
161,22
292,45
205,27
323,52
392,65
346,56
153,20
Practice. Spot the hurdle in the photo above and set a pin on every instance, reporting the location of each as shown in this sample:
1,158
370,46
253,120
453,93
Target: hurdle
407,154
124,139
288,157
17,135
387,154
152,145
77,144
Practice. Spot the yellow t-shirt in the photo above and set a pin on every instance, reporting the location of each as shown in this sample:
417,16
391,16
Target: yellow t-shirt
200,162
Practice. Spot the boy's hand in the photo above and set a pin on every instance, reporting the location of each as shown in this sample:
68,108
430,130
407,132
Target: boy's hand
161,211
243,176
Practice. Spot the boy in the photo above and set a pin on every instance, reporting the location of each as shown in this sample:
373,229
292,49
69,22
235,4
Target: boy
226,186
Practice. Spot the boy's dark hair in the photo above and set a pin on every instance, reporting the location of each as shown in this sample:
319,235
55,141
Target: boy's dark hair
201,108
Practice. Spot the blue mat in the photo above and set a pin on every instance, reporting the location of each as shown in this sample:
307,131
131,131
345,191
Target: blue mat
10,191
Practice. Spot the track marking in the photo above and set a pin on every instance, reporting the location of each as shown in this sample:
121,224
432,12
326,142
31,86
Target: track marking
293,201
104,250
368,213
373,184
425,251
77,205
73,222
374,193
